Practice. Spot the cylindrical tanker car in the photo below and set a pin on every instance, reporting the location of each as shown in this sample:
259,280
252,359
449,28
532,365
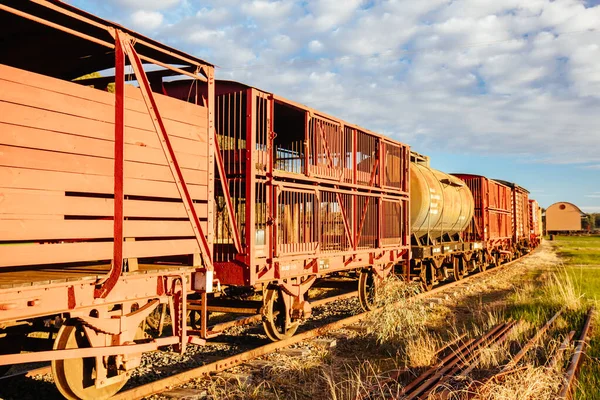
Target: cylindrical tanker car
442,208
193,196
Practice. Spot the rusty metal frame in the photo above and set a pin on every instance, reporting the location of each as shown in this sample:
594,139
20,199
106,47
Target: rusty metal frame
107,284
364,210
163,136
339,198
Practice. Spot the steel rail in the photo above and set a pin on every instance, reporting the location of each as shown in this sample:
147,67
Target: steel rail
450,369
445,393
499,340
28,373
566,390
557,357
531,342
230,362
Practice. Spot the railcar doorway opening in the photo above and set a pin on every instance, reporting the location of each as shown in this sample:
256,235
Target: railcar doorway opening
290,138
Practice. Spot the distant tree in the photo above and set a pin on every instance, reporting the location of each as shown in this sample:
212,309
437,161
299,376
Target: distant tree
594,219
585,223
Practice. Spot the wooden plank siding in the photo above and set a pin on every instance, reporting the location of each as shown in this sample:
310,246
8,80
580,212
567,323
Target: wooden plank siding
57,167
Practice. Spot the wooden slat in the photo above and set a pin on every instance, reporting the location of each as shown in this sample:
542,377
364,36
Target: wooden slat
30,216
91,251
57,102
45,140
45,203
45,230
77,182
22,115
170,107
53,161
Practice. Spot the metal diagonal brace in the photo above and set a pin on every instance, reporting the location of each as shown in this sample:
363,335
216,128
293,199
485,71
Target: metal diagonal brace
363,217
337,195
165,143
225,186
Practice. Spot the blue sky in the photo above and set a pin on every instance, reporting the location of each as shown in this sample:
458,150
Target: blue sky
508,89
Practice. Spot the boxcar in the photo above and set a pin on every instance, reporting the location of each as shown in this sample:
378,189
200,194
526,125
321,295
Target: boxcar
520,218
535,223
492,221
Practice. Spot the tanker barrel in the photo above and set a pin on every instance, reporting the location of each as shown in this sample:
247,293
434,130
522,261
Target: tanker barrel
440,204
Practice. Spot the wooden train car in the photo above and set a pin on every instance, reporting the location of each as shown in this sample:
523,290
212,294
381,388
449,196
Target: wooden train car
492,221
104,209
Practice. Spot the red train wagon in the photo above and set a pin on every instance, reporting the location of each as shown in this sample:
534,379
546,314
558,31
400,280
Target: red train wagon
301,194
535,223
492,221
520,218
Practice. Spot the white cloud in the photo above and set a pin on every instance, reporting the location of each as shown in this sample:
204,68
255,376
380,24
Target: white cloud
315,46
590,209
146,20
147,4
492,77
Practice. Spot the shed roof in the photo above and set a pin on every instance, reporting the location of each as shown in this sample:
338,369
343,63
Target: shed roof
566,202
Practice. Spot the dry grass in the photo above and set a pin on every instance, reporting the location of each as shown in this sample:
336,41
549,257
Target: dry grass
356,382
406,334
560,289
530,383
223,389
399,317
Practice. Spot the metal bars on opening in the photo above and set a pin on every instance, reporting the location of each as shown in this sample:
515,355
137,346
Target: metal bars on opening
230,124
296,225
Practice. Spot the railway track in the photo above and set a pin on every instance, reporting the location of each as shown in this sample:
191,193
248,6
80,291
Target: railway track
445,290
181,378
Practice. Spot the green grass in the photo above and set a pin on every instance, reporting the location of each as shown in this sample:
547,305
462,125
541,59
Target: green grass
581,256
579,250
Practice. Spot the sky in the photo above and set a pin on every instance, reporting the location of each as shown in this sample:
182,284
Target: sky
508,89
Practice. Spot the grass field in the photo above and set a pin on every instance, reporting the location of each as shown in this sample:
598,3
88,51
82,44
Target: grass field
581,256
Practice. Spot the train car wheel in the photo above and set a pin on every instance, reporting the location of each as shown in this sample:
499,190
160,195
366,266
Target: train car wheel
74,377
472,265
426,276
494,261
367,290
458,268
483,266
277,323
